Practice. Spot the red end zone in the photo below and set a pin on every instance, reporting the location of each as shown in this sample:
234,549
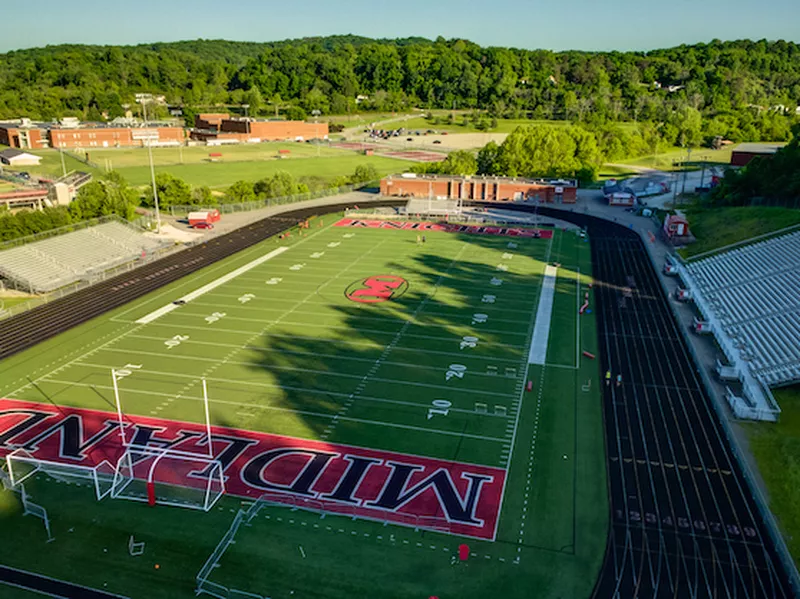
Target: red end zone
423,226
406,489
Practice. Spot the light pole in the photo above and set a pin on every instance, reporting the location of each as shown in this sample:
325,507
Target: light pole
149,139
247,119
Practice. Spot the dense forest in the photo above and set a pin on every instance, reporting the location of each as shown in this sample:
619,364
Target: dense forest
740,90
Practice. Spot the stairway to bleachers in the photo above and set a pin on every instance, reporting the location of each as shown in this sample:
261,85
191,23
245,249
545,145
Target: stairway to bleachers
52,263
754,292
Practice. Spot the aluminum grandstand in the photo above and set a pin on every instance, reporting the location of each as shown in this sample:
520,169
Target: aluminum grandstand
43,266
750,300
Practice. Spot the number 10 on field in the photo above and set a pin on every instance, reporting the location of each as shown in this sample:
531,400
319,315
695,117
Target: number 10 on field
440,406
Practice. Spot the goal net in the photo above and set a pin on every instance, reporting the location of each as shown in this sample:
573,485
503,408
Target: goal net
160,476
22,465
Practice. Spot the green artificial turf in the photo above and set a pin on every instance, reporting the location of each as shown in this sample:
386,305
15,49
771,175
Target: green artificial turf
285,361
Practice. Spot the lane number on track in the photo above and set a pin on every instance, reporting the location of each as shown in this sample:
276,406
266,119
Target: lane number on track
127,370
176,341
440,406
246,298
215,317
273,281
455,370
469,342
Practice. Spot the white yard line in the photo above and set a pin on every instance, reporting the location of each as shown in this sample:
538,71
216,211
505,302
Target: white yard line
131,330
541,332
291,410
334,341
353,396
292,336
216,364
211,286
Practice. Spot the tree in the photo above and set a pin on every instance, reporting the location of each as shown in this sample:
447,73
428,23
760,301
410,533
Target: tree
240,192
202,196
487,159
106,195
364,173
172,191
280,184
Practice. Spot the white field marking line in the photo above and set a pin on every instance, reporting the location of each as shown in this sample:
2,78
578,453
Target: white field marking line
544,313
525,368
350,400
133,329
578,321
269,367
341,356
59,359
212,285
291,336
331,310
531,462
218,364
213,368
406,322
73,361
220,265
280,409
564,366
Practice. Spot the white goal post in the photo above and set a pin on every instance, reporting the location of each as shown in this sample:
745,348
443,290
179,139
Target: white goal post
22,465
160,476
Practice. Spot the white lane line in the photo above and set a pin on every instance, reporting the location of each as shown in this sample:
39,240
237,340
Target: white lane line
211,286
541,332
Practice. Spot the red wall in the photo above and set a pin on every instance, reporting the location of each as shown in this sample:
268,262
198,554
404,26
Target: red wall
490,189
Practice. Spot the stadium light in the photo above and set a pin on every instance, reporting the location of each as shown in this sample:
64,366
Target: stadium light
149,140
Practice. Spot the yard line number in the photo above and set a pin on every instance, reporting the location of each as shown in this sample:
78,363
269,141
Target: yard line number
176,341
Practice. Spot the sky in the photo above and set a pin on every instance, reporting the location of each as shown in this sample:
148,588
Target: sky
531,24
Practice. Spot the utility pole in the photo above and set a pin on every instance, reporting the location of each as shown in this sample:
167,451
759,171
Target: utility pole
149,139
63,165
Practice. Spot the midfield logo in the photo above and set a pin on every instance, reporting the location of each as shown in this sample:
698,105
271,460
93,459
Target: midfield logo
375,289
407,489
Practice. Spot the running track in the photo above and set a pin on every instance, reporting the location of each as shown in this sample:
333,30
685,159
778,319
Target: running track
683,520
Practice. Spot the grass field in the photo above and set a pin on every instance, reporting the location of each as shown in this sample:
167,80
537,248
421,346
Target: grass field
248,162
666,160
777,451
298,358
718,227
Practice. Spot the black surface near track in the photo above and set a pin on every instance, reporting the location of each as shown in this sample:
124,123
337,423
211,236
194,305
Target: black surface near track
683,520
45,321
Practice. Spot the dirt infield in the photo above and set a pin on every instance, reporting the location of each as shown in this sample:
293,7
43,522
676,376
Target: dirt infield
418,155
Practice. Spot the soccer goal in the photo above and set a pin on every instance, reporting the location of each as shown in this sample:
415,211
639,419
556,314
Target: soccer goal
22,465
160,476
166,476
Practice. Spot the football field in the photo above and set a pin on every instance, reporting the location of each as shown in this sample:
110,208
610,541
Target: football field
384,378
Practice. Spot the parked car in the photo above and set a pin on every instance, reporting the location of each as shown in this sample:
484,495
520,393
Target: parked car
437,141
203,226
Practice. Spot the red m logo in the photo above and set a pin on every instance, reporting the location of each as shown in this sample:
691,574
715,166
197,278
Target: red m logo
379,288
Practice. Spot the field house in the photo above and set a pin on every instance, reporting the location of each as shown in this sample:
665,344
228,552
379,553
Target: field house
339,402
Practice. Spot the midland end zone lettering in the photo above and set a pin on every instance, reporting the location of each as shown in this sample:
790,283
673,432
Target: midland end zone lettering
446,227
406,489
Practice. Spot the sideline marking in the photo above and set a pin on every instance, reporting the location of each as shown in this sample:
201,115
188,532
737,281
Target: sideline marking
211,286
541,331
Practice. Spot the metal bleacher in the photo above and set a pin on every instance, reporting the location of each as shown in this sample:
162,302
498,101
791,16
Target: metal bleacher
43,266
754,292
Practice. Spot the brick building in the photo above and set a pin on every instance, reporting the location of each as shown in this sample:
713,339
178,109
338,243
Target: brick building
85,136
485,188
215,127
744,153
115,137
